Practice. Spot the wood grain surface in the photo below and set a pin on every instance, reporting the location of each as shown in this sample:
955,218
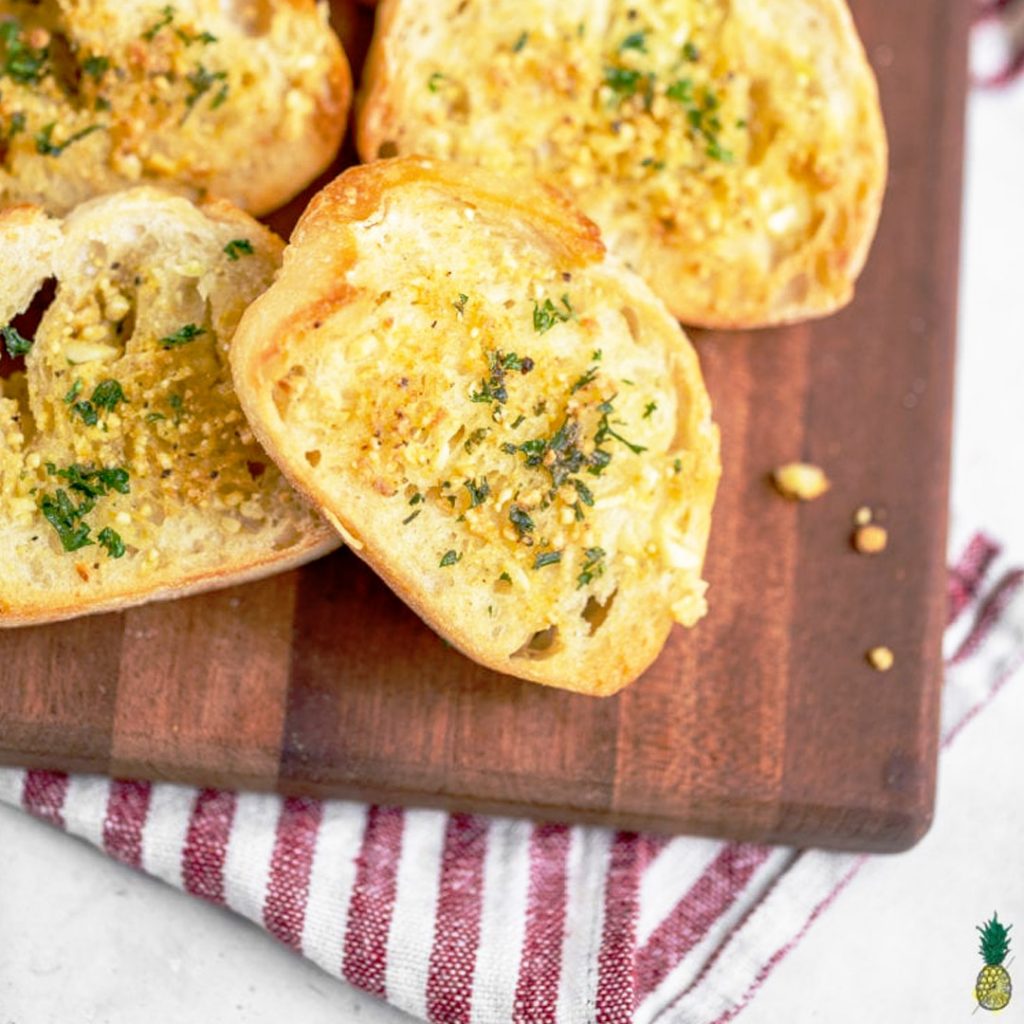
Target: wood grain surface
764,723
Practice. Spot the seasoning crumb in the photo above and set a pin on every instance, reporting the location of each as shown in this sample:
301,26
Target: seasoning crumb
881,659
863,516
870,539
800,481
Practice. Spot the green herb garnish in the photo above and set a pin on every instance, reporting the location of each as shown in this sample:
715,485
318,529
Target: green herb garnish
592,567
111,540
15,344
450,558
107,394
21,63
45,145
624,82
201,81
634,41
461,304
96,66
182,336
478,492
408,519
605,429
681,90
167,17
547,558
545,317
435,80
649,408
238,247
74,391
520,42
521,520
582,382
66,518
690,52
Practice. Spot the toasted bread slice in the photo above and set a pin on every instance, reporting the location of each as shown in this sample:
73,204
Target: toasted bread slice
732,153
127,470
238,99
502,420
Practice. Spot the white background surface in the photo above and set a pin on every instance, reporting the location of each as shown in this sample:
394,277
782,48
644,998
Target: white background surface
85,941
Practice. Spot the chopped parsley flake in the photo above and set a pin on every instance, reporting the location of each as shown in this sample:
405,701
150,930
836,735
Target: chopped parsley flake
605,429
178,407
450,558
74,391
547,558
547,316
681,90
678,465
649,408
461,304
15,344
45,145
182,336
167,16
586,496
201,81
587,378
87,411
521,42
521,520
690,52
493,389
66,518
188,38
111,540
107,395
505,578
237,248
21,63
624,82
416,499
93,483
478,492
475,438
592,567
634,41
408,519
597,354
96,66
435,80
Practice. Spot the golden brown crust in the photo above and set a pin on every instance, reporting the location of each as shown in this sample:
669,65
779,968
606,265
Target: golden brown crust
289,372
514,86
247,101
198,505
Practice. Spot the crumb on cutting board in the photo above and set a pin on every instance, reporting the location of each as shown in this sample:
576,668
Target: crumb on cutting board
870,539
800,481
881,659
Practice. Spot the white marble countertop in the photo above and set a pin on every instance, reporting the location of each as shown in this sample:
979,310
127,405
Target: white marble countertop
84,940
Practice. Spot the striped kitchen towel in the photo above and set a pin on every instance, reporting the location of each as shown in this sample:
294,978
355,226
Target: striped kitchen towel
997,42
461,919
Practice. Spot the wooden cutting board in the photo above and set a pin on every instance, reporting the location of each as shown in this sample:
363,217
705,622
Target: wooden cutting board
765,723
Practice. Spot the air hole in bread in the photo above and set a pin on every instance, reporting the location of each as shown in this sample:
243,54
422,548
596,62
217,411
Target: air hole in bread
387,150
27,324
632,322
595,613
543,644
313,457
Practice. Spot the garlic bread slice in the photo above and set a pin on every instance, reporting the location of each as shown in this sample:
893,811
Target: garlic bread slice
241,99
127,470
500,418
732,151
